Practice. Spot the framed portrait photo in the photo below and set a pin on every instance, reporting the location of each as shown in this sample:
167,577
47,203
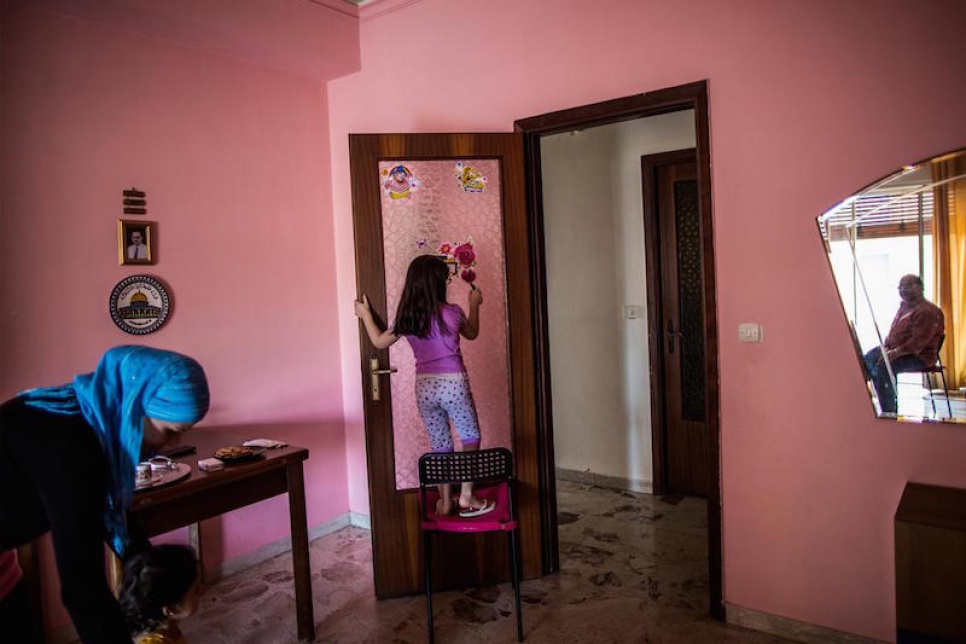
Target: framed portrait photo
135,241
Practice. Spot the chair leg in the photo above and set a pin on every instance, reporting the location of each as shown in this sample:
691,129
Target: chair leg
516,582
427,570
932,398
949,404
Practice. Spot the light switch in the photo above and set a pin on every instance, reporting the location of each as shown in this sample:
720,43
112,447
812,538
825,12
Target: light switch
750,332
633,311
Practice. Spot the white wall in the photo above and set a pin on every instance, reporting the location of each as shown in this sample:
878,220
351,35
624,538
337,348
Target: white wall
594,233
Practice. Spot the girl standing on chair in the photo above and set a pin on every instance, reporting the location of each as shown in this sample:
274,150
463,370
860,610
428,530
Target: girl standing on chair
433,328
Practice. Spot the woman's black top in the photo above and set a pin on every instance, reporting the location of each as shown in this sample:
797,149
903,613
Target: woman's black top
54,476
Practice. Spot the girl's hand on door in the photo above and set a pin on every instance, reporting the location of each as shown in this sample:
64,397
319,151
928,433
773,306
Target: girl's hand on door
475,297
362,308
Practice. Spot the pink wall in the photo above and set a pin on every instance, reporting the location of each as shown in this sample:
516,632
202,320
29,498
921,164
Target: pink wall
236,166
809,102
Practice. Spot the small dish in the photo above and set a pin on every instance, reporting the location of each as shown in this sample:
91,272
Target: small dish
160,478
162,464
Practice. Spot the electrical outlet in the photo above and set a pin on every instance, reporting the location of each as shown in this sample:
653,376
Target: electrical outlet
750,332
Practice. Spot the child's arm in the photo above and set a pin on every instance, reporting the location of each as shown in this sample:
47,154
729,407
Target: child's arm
471,329
381,339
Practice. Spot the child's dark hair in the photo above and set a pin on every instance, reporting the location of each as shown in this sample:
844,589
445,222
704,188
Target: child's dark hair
155,577
424,291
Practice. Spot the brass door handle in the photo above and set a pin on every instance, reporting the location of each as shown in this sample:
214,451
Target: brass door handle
375,372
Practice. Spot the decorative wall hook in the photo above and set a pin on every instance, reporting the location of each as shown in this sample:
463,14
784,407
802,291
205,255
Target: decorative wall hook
134,202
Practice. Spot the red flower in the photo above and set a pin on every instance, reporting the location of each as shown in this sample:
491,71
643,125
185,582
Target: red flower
464,254
468,275
445,249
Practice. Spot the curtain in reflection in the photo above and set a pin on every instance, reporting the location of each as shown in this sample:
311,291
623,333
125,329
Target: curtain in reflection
950,259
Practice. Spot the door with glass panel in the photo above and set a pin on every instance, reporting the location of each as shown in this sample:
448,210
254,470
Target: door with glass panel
431,194
674,227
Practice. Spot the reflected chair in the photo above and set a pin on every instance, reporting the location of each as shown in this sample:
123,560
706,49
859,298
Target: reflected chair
491,472
936,368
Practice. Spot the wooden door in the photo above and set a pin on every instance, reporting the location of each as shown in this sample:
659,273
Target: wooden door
420,164
671,186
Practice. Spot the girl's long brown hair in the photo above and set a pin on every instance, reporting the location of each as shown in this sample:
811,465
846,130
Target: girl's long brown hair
424,291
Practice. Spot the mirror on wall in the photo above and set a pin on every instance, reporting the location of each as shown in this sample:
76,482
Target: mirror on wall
897,250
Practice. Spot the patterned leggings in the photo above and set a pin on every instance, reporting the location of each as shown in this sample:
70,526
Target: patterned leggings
445,397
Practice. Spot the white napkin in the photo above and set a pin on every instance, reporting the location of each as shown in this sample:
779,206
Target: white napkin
264,442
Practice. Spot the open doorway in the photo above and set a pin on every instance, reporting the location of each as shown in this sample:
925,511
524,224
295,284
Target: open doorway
598,311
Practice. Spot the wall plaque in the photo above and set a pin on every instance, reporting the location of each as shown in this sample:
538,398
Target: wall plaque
139,304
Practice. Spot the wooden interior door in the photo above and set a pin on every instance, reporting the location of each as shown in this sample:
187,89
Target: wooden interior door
458,560
677,230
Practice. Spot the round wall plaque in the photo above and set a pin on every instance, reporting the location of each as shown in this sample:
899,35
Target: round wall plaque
139,304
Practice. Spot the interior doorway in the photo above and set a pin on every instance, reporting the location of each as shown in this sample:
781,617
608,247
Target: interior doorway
626,307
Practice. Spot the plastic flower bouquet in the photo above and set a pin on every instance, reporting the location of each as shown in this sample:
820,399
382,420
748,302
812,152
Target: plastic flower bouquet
461,256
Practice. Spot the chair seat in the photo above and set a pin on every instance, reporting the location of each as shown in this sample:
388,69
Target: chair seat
936,368
497,520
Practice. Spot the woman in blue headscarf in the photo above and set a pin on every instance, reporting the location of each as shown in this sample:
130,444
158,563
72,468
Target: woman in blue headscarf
68,457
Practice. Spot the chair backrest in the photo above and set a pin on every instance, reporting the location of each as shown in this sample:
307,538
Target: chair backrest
936,367
494,464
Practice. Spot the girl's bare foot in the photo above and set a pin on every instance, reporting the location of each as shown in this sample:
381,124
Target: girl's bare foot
443,508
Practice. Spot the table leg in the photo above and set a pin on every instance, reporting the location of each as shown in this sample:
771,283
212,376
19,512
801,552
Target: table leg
194,542
300,552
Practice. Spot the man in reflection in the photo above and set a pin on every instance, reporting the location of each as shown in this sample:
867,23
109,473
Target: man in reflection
912,344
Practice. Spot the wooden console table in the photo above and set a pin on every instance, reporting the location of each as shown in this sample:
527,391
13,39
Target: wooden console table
930,544
204,495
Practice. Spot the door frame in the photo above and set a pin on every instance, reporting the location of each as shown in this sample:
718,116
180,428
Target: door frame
692,96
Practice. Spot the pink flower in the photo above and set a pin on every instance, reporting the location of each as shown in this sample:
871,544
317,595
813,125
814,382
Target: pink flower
464,254
445,249
468,275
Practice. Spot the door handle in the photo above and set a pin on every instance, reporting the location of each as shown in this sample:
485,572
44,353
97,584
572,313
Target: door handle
375,372
671,334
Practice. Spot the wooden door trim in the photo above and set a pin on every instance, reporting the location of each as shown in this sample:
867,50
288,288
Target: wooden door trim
655,319
690,96
366,150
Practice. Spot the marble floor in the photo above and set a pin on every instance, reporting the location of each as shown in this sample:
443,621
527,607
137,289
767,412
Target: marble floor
633,569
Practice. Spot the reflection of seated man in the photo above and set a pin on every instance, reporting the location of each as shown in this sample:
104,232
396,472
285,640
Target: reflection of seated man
912,343
137,249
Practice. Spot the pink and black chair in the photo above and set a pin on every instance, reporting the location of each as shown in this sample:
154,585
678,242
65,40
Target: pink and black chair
491,472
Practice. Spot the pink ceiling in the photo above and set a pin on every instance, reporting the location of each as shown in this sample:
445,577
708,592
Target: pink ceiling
314,38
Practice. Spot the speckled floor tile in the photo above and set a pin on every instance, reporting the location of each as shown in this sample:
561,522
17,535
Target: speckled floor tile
633,569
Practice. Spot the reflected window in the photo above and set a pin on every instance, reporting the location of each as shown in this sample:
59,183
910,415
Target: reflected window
890,231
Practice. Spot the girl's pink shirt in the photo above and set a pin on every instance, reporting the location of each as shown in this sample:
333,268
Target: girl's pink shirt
439,352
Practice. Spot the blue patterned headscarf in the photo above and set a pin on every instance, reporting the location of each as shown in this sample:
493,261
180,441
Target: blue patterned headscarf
129,384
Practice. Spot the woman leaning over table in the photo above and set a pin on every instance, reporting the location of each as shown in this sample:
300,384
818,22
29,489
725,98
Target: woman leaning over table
68,456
